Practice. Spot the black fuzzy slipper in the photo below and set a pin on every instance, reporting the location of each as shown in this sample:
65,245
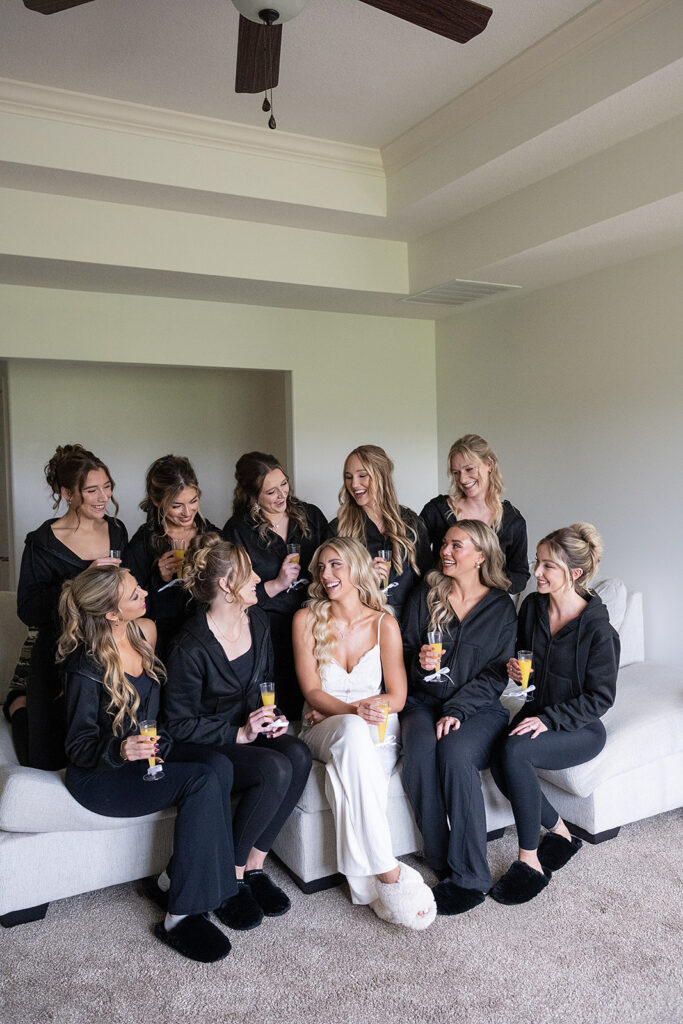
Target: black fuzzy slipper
519,884
241,912
151,890
272,900
196,938
554,851
452,898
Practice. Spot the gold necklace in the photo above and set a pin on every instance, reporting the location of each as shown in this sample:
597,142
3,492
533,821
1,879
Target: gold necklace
351,626
227,638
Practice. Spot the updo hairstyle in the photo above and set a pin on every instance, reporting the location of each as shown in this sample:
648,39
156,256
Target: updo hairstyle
491,572
475,449
68,468
209,559
250,471
578,546
165,480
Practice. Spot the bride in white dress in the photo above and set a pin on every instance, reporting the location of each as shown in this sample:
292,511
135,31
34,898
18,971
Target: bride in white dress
345,641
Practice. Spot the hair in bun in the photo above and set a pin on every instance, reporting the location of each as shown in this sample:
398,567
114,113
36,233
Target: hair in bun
68,468
209,559
578,546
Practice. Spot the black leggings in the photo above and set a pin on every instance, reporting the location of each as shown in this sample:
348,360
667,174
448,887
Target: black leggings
269,777
514,764
203,868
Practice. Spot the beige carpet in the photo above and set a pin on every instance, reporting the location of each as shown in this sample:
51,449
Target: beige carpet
602,944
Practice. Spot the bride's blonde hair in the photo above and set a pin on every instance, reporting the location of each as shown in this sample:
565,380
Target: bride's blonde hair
362,576
83,607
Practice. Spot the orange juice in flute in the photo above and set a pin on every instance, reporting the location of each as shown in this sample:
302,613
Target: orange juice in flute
382,726
386,555
155,771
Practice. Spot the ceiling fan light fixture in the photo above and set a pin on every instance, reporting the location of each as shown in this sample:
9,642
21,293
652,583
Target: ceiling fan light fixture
284,10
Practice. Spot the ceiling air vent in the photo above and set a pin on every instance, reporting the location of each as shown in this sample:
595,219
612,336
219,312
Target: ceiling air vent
455,293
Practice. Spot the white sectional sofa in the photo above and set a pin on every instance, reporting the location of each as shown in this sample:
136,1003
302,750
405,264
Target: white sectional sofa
51,848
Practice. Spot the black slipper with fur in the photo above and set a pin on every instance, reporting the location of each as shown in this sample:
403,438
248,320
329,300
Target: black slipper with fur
151,890
196,938
272,900
452,898
519,884
241,912
554,851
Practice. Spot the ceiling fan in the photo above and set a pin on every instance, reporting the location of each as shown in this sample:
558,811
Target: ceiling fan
260,29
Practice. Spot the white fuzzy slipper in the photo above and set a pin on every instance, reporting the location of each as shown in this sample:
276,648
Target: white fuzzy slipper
401,902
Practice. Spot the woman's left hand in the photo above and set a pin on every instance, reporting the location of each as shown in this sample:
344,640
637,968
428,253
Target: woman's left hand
278,730
313,717
533,725
370,711
446,725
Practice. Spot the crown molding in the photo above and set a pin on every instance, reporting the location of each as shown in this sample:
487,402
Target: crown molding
31,100
583,33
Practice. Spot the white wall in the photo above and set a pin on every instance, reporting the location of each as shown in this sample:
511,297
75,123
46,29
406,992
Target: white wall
578,390
354,378
131,415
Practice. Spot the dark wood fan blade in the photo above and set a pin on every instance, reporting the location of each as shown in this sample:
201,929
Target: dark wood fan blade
258,56
53,6
460,20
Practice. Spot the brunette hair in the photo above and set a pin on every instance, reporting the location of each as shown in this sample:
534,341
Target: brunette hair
83,607
250,471
68,468
476,449
491,574
165,479
578,546
209,559
351,521
363,577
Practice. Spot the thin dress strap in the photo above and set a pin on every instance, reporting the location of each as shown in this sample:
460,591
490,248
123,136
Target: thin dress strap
379,623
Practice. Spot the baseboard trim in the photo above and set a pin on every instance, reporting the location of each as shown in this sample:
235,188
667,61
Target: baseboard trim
317,885
16,917
497,833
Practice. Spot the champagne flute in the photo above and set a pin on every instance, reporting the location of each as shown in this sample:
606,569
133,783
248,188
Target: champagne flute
386,555
179,546
526,660
155,771
268,697
115,553
382,726
294,550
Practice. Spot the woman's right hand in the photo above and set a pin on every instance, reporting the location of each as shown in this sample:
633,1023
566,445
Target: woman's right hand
514,671
428,660
255,724
289,571
380,567
139,748
168,566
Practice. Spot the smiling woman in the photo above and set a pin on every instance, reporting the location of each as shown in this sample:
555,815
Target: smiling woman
59,550
155,554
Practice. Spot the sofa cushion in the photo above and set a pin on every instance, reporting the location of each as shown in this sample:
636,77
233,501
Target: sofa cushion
644,725
613,594
36,801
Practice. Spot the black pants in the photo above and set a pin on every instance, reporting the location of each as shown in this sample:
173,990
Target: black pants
514,769
45,705
269,777
441,779
203,869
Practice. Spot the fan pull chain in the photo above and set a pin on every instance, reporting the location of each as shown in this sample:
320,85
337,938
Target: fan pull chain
267,104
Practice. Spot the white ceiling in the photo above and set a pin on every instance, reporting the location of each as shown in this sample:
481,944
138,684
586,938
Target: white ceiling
547,147
348,72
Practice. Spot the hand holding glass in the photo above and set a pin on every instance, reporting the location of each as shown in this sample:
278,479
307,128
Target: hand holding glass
179,546
386,555
155,771
294,554
525,660
382,726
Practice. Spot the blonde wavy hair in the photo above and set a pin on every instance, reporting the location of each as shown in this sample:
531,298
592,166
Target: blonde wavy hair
475,449
578,546
83,606
350,517
485,540
209,559
362,576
